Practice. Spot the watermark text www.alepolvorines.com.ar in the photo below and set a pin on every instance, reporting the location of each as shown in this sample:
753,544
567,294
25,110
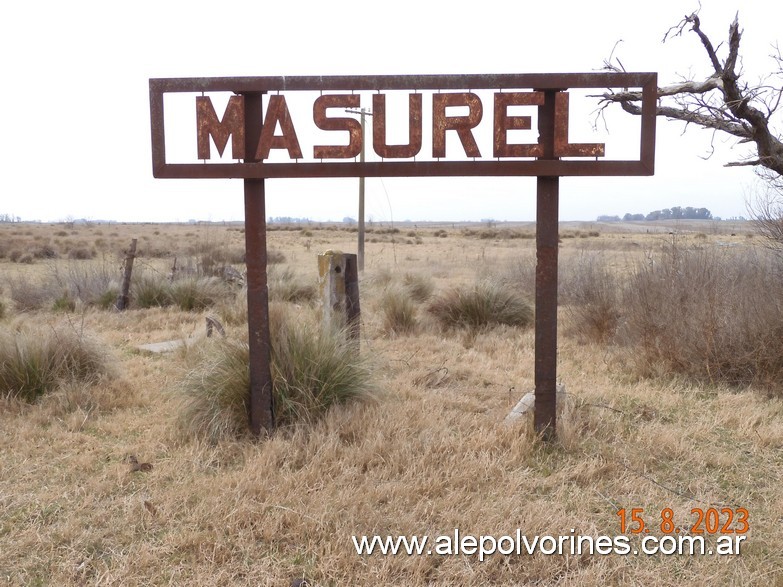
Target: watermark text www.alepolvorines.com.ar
519,544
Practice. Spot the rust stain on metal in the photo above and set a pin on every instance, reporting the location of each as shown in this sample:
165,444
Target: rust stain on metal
208,124
505,123
462,124
354,128
277,113
414,128
562,147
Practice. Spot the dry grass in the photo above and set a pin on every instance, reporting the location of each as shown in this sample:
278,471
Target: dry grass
34,362
712,315
481,305
429,456
312,371
399,311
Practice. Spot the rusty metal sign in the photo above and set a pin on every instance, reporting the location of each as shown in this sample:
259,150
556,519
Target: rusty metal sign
259,106
437,95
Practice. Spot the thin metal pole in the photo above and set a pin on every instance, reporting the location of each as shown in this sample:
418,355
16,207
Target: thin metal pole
547,237
360,246
261,409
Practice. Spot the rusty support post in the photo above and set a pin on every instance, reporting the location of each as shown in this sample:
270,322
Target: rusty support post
547,192
122,299
261,412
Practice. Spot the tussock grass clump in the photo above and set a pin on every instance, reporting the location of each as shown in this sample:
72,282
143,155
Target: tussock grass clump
233,310
273,257
64,303
189,293
382,277
195,294
285,286
149,291
419,286
483,305
399,311
108,299
36,362
312,370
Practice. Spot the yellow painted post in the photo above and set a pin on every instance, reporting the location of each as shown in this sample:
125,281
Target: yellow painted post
338,280
331,281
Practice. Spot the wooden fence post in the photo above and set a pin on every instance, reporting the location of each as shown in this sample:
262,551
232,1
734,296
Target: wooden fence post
122,298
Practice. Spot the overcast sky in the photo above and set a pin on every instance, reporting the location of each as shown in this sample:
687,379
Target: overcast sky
76,138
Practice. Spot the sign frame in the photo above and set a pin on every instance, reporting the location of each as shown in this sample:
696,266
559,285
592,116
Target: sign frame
407,168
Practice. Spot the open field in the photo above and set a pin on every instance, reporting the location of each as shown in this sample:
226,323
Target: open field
428,454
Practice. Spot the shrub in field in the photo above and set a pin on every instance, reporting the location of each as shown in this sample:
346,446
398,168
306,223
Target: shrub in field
399,311
312,370
29,295
591,292
484,304
81,253
33,363
710,315
44,251
88,283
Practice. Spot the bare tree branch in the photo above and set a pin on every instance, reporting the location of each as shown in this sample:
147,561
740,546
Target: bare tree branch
722,101
749,163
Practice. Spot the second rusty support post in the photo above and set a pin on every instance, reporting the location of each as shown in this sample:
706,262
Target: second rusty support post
261,409
547,237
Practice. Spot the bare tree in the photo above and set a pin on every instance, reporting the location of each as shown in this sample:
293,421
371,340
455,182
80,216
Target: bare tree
766,211
725,102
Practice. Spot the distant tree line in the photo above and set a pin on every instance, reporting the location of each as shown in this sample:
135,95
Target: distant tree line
9,218
674,213
287,220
